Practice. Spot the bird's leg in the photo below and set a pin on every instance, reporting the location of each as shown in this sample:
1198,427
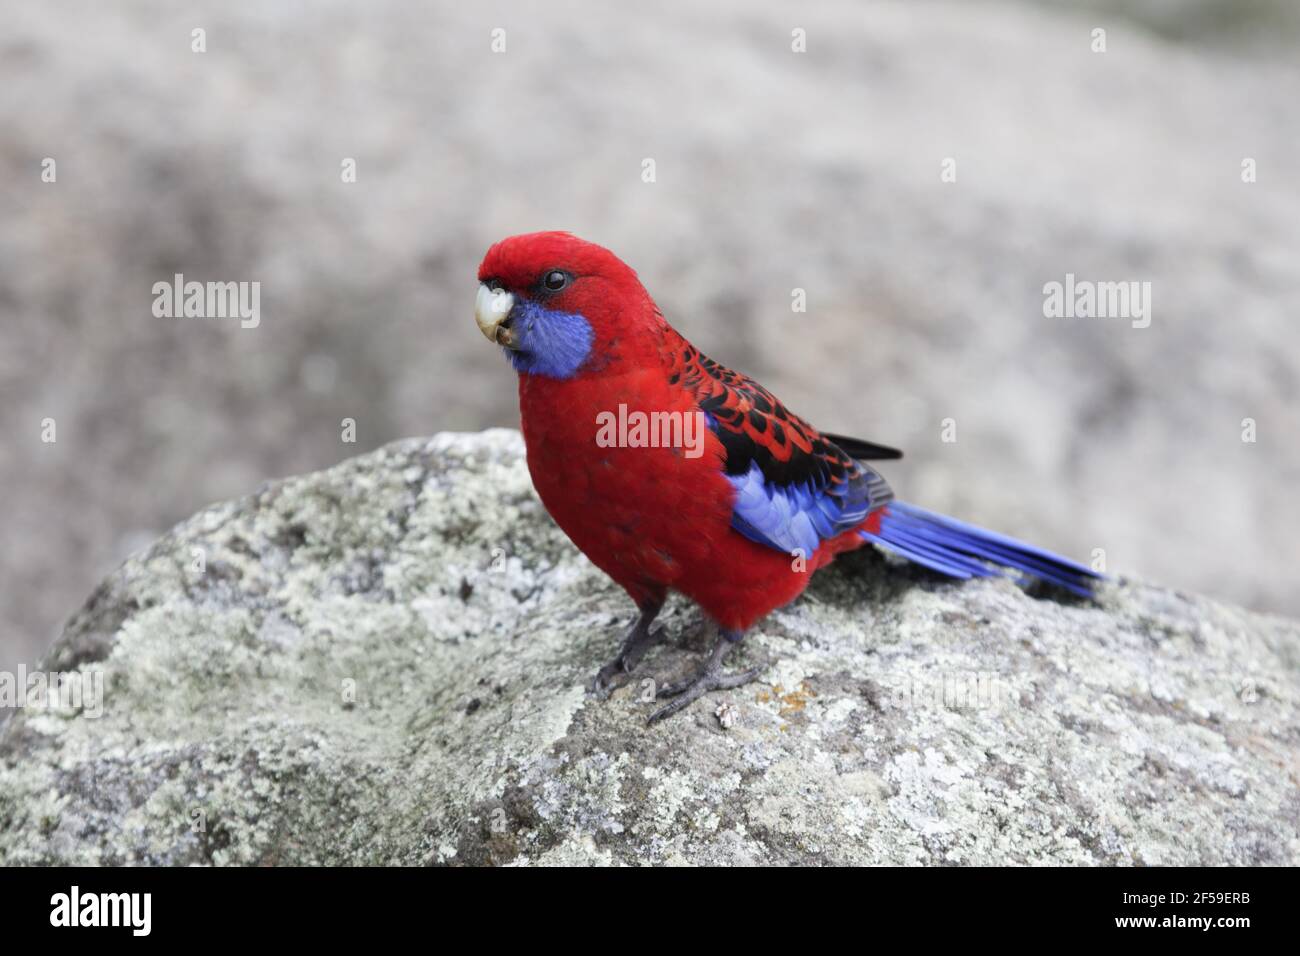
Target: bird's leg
710,677
636,642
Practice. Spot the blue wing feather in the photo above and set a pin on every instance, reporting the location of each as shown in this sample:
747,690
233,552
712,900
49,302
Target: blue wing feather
796,518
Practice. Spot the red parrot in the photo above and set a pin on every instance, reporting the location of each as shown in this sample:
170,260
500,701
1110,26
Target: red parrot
672,472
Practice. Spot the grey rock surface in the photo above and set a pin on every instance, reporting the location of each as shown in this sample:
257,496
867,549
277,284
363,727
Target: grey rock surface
384,662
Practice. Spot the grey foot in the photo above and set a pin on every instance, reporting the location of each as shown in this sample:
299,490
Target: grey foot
710,677
636,642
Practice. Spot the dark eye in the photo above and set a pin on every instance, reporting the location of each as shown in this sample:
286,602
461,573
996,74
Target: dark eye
555,280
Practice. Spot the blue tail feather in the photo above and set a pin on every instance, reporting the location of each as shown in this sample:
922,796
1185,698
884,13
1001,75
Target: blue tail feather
995,548
962,550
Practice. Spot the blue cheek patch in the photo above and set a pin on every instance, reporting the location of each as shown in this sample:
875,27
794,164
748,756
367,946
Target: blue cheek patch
551,343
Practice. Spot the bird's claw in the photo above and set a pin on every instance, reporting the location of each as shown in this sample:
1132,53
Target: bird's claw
686,692
607,680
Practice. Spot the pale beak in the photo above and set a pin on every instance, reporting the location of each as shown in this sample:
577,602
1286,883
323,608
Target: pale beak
491,312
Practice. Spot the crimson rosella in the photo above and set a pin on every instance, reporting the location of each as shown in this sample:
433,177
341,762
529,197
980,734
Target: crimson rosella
674,473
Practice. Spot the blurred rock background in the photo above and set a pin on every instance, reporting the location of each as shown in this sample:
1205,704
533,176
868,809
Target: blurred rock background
775,170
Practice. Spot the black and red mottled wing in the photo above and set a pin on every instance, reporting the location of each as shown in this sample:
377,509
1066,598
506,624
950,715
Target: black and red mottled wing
862,450
795,487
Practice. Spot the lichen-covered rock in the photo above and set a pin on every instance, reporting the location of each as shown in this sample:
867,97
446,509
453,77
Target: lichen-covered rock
385,663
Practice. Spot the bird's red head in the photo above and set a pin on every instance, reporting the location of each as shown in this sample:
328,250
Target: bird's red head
555,302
